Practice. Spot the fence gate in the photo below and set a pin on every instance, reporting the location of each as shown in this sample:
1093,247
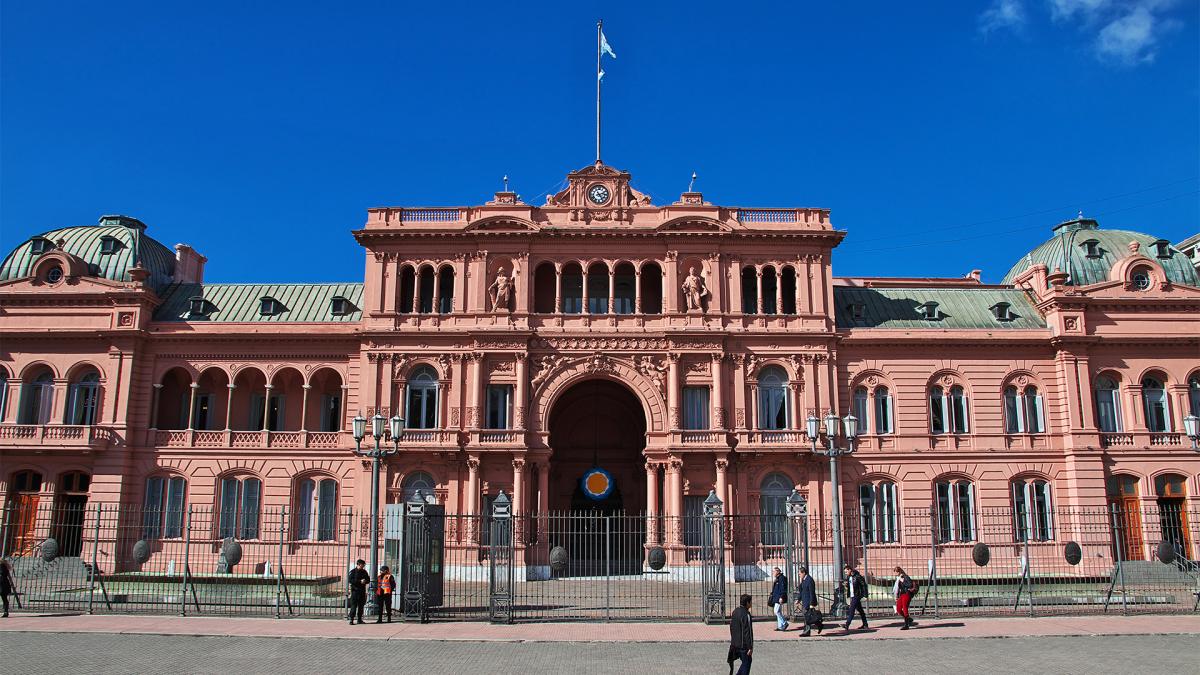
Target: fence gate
421,578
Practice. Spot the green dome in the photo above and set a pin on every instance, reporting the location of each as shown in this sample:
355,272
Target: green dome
1087,253
108,260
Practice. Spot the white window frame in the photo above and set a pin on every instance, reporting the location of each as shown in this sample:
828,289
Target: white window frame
1032,504
883,410
1162,401
162,507
246,521
696,408
879,521
503,411
428,392
1114,402
954,493
312,508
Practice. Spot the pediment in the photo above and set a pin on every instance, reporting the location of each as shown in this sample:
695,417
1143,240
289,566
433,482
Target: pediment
502,224
693,224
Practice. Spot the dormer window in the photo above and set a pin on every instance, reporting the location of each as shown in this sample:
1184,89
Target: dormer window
200,307
1091,248
930,310
109,245
270,306
39,245
1002,311
340,306
857,310
1162,248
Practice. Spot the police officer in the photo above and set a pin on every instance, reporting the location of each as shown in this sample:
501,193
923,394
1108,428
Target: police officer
387,586
358,579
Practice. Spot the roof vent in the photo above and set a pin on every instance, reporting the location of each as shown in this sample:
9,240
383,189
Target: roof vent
340,306
857,310
110,245
198,306
1091,248
269,306
931,311
122,221
1003,311
39,245
1162,248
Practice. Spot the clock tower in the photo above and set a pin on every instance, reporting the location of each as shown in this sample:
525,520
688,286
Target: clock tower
599,193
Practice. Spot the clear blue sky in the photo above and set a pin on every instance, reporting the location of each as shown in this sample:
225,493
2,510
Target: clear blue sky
944,136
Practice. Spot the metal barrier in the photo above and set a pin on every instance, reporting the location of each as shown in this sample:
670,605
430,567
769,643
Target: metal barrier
596,566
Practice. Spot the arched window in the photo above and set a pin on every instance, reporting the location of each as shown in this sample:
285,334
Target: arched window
425,291
545,281
624,289
83,398
769,284
749,290
422,404
1157,408
883,410
774,492
572,289
316,509
1023,411
772,399
597,288
652,281
877,512
408,285
417,480
162,507
3,394
858,406
948,410
787,281
37,400
1193,395
1108,405
241,498
446,290
1032,516
955,510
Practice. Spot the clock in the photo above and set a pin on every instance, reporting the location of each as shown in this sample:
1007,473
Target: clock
598,194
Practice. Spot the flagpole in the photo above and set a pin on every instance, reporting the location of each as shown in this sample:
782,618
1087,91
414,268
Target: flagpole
599,28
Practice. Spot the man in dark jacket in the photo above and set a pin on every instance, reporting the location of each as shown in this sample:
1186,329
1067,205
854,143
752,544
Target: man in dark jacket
806,597
357,580
857,592
741,636
7,587
778,599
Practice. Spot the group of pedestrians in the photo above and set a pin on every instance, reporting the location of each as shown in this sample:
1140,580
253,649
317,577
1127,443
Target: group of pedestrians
359,582
741,627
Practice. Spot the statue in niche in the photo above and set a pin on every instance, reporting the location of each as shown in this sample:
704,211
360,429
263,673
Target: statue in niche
500,292
694,291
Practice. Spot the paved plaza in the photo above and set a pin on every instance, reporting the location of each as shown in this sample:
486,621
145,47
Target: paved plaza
123,644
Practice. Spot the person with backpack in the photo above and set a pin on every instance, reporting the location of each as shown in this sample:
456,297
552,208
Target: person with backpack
904,589
857,586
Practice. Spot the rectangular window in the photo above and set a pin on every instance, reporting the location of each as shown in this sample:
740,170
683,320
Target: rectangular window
82,400
883,413
422,407
499,406
202,413
1034,419
959,402
239,508
937,411
37,401
772,408
331,412
1012,413
327,510
859,408
966,512
163,517
174,515
693,521
956,511
152,509
1107,410
695,407
866,500
304,501
274,412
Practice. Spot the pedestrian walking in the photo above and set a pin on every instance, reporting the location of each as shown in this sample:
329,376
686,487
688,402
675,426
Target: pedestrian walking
778,599
857,589
387,587
806,598
904,589
7,587
357,581
741,636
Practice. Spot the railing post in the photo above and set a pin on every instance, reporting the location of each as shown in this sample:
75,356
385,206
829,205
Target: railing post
95,555
500,570
1028,571
279,567
713,561
1117,523
933,542
607,567
187,551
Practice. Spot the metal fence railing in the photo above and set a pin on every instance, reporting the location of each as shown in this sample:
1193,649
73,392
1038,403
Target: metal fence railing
109,558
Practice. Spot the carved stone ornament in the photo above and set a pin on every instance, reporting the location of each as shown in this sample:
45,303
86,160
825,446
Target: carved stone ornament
597,363
948,380
544,367
655,371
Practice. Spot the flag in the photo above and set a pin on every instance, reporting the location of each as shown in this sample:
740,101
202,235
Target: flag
600,75
604,48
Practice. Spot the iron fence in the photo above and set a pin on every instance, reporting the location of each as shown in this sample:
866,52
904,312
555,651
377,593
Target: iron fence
595,566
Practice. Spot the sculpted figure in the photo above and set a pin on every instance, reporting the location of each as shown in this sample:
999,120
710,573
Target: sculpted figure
694,290
500,291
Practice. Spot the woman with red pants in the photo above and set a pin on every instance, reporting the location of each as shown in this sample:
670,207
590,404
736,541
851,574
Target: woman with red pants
904,589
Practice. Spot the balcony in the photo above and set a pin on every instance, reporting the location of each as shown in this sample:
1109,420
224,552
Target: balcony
700,438
497,438
1143,439
788,440
192,438
67,436
1116,440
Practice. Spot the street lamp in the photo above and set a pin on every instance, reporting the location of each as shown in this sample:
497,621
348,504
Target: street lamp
1191,425
396,427
849,426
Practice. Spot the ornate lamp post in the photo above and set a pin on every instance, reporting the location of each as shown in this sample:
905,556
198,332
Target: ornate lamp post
1191,425
377,429
849,425
797,510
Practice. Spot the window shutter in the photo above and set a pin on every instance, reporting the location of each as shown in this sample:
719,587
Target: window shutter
1041,413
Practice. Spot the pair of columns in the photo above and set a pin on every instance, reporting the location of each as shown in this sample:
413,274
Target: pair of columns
675,393
672,497
612,285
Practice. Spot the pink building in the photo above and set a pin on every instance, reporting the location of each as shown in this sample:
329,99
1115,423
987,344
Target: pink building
679,346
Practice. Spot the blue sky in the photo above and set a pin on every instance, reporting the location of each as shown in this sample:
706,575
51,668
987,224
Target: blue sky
944,136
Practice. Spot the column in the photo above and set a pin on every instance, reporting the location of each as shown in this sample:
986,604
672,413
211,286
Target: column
810,377
801,280
794,407
437,290
473,514
673,502
673,389
192,405
266,405
229,405
58,404
558,288
543,488
387,370
154,406
652,503
758,280
637,291
612,287
722,486
520,391
518,485
475,386
779,289
304,408
584,275
752,413
718,392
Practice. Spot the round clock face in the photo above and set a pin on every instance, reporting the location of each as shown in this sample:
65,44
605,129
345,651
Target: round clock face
598,194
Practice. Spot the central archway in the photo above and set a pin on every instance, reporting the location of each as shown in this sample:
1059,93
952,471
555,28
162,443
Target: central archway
597,423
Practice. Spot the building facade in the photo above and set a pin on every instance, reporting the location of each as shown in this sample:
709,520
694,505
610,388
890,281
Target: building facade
679,348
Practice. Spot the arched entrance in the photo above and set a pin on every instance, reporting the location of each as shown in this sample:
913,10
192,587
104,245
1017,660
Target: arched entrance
597,426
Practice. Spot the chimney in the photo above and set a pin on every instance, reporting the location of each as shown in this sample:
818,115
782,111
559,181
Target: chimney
189,265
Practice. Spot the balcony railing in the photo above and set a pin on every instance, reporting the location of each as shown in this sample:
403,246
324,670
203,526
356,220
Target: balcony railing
1168,438
60,435
1111,440
698,437
197,438
778,437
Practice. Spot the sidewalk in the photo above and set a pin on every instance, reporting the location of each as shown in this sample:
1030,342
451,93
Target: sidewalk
590,632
